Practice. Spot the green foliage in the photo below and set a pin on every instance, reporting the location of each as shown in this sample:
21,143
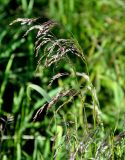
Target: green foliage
39,90
77,125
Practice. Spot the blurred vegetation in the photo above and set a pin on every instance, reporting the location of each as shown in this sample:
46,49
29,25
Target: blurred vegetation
98,27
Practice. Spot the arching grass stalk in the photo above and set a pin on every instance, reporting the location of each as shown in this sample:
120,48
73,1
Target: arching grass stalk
54,51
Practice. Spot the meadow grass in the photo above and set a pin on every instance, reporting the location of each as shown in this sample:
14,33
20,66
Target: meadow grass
65,99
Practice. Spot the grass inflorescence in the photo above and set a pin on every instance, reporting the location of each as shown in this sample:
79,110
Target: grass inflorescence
72,143
56,51
71,107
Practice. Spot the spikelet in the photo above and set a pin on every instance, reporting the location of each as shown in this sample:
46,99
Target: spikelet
24,21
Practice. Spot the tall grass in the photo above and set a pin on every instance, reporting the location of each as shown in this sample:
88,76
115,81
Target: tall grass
80,94
55,108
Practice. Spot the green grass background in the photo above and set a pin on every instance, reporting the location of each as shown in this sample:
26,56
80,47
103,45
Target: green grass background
99,27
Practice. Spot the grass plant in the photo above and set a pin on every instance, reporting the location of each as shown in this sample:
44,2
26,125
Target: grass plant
62,84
